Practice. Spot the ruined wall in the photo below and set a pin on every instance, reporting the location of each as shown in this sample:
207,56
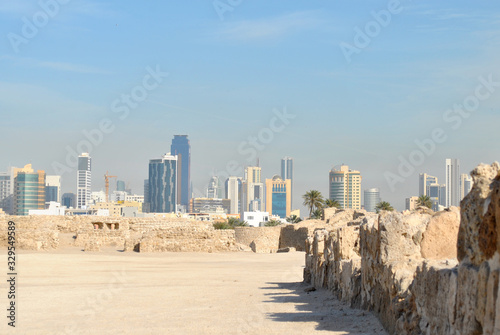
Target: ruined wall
260,239
420,272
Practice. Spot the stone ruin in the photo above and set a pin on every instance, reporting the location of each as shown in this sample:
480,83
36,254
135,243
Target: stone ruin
419,272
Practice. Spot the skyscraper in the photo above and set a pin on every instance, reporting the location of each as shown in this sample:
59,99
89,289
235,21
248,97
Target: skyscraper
465,185
278,196
372,198
233,193
423,183
7,192
69,200
53,188
83,181
253,190
120,186
29,190
214,190
163,184
287,173
452,182
345,187
180,147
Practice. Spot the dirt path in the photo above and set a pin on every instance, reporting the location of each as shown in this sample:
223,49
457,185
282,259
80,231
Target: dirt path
72,292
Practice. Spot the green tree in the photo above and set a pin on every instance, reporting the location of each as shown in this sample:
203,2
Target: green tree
383,206
317,214
424,200
272,223
230,224
329,203
222,225
293,219
314,200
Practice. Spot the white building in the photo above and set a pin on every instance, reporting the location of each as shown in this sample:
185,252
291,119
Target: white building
233,193
452,182
134,197
372,198
83,181
55,208
53,188
97,197
411,203
256,219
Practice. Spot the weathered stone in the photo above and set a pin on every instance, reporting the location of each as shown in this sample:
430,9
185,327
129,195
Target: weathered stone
440,238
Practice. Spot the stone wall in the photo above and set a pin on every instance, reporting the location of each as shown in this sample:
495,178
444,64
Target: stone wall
420,272
260,239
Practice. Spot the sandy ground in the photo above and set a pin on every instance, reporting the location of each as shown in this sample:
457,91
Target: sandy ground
73,292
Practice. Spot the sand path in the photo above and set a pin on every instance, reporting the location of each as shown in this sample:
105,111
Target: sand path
72,292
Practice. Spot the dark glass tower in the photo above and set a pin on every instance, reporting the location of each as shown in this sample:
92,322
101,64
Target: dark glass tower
162,184
181,147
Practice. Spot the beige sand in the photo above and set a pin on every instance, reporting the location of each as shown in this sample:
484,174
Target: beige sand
72,292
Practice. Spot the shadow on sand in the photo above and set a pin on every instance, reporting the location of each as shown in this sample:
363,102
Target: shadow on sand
321,307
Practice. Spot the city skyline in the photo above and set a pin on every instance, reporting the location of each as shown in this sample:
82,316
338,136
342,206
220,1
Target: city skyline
266,80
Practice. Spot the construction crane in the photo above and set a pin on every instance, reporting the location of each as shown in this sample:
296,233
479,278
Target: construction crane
106,183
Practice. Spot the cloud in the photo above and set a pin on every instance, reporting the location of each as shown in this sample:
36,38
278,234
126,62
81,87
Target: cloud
270,27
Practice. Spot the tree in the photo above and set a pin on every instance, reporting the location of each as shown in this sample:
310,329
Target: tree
314,200
383,206
230,224
293,219
317,214
272,223
329,203
424,200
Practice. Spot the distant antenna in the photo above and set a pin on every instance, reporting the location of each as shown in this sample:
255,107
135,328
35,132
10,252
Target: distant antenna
258,162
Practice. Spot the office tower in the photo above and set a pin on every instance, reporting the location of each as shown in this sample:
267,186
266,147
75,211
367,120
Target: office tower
253,190
69,200
452,182
120,186
145,205
424,181
465,185
29,190
209,205
372,198
411,203
6,192
53,188
442,195
287,172
233,193
345,187
181,148
83,181
214,190
279,196
163,184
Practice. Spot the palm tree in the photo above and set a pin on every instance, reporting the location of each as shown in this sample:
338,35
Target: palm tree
317,213
234,222
314,200
383,206
424,200
329,203
293,219
272,223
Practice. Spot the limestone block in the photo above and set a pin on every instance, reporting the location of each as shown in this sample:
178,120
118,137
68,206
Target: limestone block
440,238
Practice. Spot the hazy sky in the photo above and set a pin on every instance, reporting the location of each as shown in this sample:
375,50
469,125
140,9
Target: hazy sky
358,87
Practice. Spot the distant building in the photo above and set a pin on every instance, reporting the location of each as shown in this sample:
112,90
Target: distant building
442,195
209,205
371,199
279,196
69,200
423,183
287,173
233,193
256,219
7,191
181,147
120,186
83,181
54,208
145,207
452,182
135,197
29,190
345,187
53,189
411,203
163,184
466,183
214,190
253,190
96,197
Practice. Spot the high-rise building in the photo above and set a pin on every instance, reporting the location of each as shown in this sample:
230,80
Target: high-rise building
345,187
53,189
209,205
423,183
7,192
287,172
452,182
466,183
120,186
253,190
69,200
163,184
442,195
233,193
145,206
279,196
372,198
180,147
29,190
83,181
411,203
214,190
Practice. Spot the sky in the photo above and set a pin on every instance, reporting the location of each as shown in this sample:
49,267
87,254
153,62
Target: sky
390,88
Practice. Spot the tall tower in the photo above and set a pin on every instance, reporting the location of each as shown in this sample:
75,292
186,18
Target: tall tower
345,187
53,188
29,190
180,147
83,181
287,173
372,198
253,190
233,193
466,183
452,182
424,181
278,197
163,184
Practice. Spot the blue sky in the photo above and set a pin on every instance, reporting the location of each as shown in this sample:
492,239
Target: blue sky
226,77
